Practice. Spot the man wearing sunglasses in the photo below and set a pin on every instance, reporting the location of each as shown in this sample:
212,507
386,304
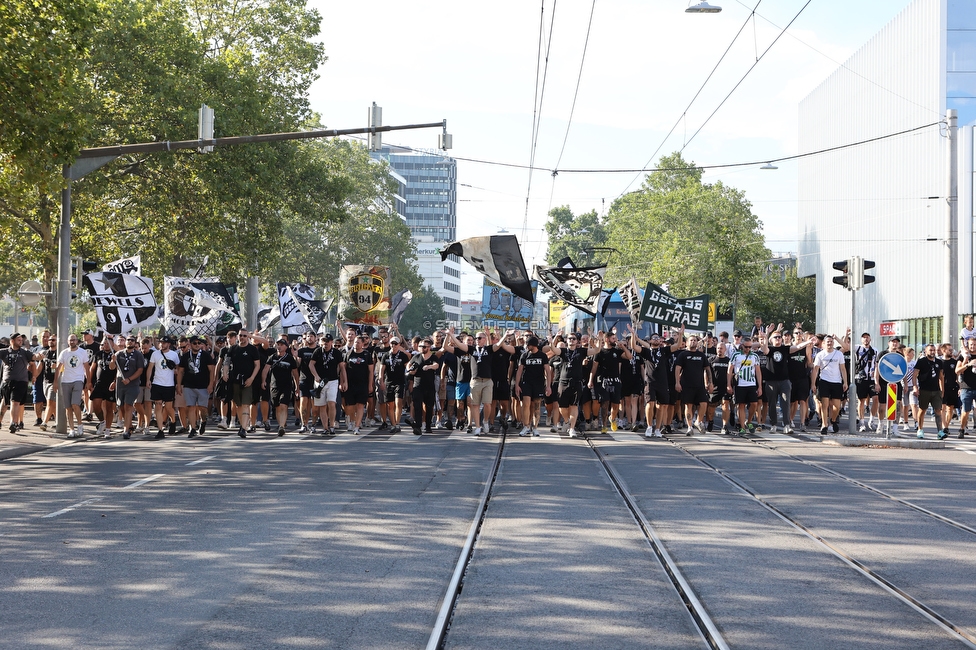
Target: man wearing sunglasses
129,365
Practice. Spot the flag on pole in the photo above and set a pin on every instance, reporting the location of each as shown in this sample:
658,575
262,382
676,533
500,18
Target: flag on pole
579,287
631,295
198,307
365,294
497,257
129,265
122,302
659,306
400,303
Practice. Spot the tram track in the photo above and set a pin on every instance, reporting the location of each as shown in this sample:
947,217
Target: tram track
967,637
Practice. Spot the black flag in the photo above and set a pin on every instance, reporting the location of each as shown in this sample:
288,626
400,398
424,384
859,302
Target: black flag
499,258
579,287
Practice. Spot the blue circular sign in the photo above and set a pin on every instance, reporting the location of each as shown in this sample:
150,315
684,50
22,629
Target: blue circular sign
892,367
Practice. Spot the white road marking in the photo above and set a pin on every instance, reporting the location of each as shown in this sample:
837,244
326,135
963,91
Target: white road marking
143,481
72,507
202,460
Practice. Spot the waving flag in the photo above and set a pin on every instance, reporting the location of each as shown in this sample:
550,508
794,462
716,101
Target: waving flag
579,287
400,303
122,302
202,307
130,265
498,258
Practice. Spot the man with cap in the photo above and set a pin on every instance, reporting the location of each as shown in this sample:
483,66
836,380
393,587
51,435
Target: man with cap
245,364
129,365
18,374
71,378
195,379
280,375
393,381
162,384
327,373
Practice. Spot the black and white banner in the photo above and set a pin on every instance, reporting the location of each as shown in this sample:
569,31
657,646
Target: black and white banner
631,297
497,257
129,265
661,307
298,309
579,287
202,307
122,302
401,300
268,317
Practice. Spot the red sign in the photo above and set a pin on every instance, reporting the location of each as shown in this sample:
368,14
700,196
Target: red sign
889,329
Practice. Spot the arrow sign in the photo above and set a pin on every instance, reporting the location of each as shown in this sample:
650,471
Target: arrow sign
893,367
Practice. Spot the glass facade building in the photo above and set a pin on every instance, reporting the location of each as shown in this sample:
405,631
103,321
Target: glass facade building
430,206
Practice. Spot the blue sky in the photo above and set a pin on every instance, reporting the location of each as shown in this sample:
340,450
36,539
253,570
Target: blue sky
424,61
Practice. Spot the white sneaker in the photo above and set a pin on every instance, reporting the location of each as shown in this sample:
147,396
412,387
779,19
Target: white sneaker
223,424
477,431
658,434
862,428
701,426
100,428
535,432
355,431
81,431
573,434
524,432
649,432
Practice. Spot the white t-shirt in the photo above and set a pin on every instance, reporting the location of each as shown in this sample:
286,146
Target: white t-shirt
966,334
743,366
164,368
831,366
74,364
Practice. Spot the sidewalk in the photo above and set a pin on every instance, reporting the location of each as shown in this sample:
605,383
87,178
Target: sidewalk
31,439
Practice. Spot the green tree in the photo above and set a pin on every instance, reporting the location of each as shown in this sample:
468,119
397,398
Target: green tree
572,235
424,314
692,236
780,298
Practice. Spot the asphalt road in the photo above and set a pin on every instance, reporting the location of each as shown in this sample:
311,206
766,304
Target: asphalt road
350,543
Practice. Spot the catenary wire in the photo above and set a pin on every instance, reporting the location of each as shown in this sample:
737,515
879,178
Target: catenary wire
540,97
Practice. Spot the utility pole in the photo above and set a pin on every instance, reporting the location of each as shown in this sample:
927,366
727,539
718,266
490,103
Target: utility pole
950,321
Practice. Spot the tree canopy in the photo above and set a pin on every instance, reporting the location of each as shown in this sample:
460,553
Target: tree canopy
574,236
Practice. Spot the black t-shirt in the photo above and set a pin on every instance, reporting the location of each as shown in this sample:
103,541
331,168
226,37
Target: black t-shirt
927,373
423,377
692,366
967,380
534,367
777,366
720,372
16,364
949,372
450,362
609,363
482,360
396,368
501,361
462,365
104,375
326,364
279,372
663,359
196,369
798,366
305,355
864,369
242,358
571,368
51,364
358,367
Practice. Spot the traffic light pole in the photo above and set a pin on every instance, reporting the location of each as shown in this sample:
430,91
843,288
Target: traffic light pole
852,371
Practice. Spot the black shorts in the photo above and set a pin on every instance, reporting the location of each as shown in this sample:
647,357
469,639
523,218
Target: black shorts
535,390
950,397
281,397
746,395
222,391
829,390
395,391
162,393
608,391
15,391
569,394
306,386
693,395
717,398
501,390
865,389
673,396
656,393
586,394
102,391
264,394
800,390
355,395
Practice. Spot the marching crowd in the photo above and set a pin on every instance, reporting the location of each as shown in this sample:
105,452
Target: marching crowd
478,381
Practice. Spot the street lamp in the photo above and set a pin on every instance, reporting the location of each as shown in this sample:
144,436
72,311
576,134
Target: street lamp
702,8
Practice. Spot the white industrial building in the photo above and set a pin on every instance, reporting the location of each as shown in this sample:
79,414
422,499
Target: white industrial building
889,200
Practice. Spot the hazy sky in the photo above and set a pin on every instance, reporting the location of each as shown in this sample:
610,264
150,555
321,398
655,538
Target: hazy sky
476,65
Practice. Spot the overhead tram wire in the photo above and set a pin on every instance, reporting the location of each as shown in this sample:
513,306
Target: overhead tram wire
704,83
538,99
751,68
572,110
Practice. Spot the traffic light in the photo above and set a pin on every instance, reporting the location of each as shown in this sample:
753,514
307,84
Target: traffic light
79,269
868,279
843,267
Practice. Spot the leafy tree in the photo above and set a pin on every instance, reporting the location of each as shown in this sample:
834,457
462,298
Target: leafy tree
691,236
780,299
424,314
571,235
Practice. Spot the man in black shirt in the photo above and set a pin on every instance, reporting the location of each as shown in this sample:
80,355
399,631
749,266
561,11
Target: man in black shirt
776,375
195,379
657,355
281,376
393,381
357,366
966,371
929,384
423,367
693,381
532,382
718,364
482,372
606,379
130,365
327,373
17,366
570,380
245,364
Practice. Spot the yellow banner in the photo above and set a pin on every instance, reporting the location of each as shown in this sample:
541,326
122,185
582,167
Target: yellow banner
556,308
712,312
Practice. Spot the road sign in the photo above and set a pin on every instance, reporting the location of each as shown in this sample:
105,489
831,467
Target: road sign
30,293
891,404
892,367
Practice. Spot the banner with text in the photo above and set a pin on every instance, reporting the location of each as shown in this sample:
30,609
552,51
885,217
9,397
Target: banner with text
364,294
661,307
